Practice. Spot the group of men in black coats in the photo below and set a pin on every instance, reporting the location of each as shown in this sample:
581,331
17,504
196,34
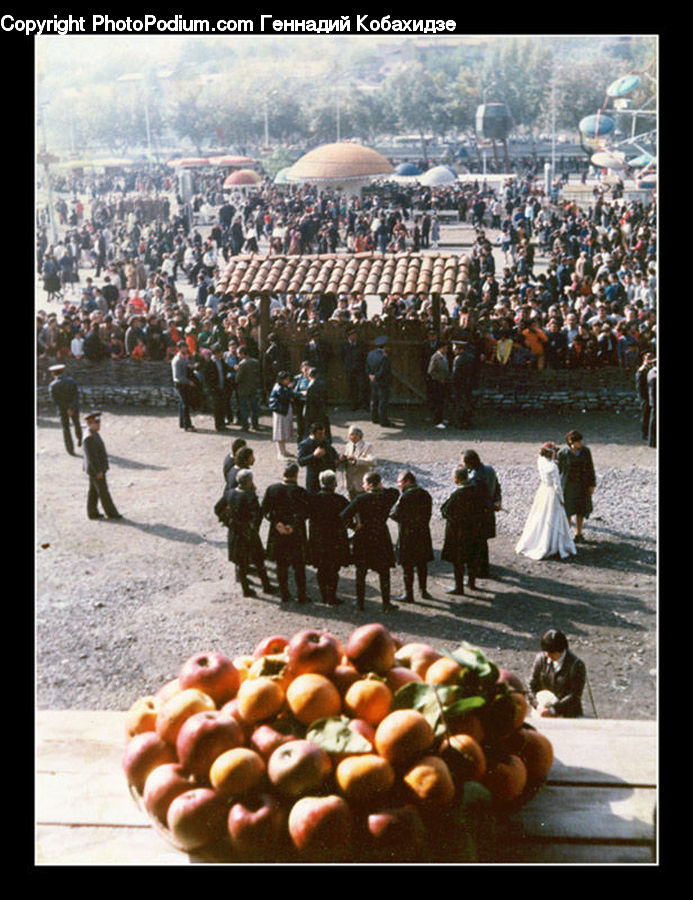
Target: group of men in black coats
316,526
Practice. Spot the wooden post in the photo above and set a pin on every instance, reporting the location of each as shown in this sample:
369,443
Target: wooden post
435,312
264,319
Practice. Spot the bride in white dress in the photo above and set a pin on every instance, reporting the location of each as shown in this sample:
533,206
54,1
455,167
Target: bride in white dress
547,531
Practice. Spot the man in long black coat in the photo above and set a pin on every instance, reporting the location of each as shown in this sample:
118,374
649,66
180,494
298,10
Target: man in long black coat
316,454
285,506
65,394
217,376
239,510
354,359
578,481
367,515
485,477
414,548
463,512
328,542
463,378
96,466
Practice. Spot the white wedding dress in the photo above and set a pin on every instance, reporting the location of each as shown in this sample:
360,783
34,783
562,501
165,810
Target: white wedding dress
547,531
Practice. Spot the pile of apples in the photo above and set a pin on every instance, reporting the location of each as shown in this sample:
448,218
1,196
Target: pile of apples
313,750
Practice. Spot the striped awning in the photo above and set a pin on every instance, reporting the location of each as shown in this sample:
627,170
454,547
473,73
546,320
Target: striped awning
363,273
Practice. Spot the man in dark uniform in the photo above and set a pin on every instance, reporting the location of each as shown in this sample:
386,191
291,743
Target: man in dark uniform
367,515
484,476
578,481
414,549
315,402
641,387
316,454
354,359
328,541
217,377
463,376
239,510
96,466
464,540
379,370
65,394
285,506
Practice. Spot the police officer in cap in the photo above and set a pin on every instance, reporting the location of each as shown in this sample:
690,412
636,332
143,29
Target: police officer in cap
96,466
65,394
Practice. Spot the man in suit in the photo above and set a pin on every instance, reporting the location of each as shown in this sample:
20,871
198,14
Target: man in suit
217,376
578,481
367,515
414,548
463,377
464,540
485,478
248,389
315,402
96,466
65,394
379,370
559,671
181,371
316,454
328,542
354,359
285,506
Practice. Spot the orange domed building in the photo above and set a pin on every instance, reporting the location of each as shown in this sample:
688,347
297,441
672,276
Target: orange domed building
344,166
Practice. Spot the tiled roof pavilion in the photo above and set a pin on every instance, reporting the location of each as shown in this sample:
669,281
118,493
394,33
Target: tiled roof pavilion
367,273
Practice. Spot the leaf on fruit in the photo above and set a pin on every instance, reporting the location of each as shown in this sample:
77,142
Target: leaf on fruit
473,658
464,706
427,699
270,667
334,736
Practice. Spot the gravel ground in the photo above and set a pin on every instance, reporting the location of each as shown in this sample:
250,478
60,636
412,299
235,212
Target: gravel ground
120,605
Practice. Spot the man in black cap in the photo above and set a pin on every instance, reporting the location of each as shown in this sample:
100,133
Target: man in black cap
379,370
96,466
65,394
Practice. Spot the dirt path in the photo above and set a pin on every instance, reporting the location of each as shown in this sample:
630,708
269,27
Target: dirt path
121,604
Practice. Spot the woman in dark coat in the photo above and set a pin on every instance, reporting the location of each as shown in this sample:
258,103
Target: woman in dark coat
414,548
578,481
239,509
372,547
328,543
463,512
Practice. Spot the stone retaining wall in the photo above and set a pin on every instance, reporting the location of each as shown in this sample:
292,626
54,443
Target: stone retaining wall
126,382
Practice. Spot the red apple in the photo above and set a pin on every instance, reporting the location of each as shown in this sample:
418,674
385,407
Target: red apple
313,651
230,710
275,643
417,656
397,832
515,682
344,676
266,738
143,753
166,691
398,676
197,818
257,826
213,673
321,828
141,716
202,738
298,767
163,784
371,648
